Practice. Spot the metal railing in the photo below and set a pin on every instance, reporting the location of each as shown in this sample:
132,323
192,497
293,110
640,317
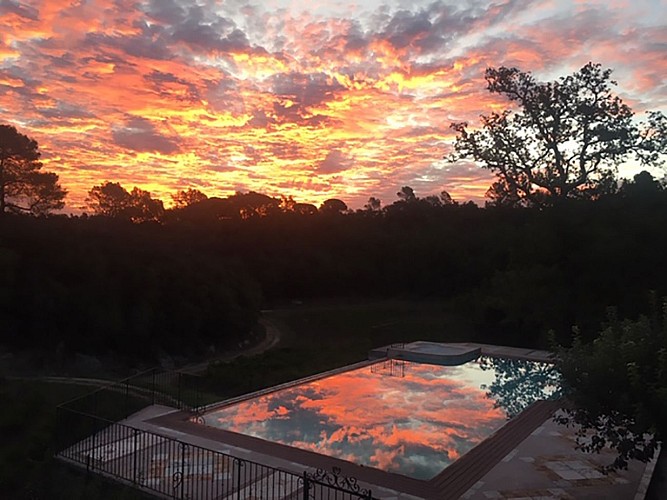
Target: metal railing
89,435
118,400
171,467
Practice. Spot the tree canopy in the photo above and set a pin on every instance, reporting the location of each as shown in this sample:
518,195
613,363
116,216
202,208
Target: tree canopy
24,188
333,206
186,197
110,199
618,386
565,140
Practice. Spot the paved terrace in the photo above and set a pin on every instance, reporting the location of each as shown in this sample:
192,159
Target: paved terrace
529,458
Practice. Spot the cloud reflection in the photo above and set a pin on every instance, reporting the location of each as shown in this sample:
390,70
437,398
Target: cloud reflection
414,425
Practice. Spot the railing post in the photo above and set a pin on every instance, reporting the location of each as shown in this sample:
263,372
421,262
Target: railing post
183,445
306,486
59,429
135,453
239,464
94,448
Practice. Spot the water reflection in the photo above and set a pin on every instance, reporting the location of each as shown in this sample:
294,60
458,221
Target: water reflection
519,383
414,424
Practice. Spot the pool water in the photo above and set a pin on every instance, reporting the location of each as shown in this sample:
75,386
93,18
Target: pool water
413,419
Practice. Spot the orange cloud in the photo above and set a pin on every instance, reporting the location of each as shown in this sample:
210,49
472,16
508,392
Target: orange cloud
245,98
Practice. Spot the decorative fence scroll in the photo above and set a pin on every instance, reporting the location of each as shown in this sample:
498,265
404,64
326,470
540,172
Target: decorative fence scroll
345,487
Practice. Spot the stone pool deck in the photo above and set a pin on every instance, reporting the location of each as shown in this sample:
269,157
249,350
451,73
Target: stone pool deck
531,457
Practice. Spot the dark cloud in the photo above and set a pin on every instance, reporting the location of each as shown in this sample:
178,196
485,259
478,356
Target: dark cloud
260,119
305,89
151,44
334,162
405,26
161,82
139,134
286,150
18,8
64,110
169,12
202,29
299,93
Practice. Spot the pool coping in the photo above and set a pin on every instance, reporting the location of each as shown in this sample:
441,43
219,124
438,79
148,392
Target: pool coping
450,483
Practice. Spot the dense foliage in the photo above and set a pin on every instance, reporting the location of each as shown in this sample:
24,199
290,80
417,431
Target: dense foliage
104,286
564,141
618,386
24,187
99,284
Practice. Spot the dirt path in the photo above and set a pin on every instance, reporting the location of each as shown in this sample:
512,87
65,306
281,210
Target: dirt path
270,340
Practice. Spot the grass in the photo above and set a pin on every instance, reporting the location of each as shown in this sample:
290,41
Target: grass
319,336
27,432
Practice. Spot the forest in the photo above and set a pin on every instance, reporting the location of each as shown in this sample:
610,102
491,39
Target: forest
197,279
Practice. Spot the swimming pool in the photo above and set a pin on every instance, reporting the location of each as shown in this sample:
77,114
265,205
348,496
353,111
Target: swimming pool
409,418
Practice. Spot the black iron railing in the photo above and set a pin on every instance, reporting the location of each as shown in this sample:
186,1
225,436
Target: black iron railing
89,435
171,467
118,400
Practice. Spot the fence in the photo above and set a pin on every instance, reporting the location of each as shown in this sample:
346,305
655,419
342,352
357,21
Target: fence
170,467
155,386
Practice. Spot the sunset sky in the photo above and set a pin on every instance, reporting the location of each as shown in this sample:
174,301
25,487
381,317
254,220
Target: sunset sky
315,99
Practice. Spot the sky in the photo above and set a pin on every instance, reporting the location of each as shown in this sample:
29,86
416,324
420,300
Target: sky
317,99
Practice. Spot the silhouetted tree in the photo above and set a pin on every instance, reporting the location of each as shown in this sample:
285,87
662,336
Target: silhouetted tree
373,205
446,198
643,185
501,194
252,204
433,201
187,197
145,208
438,201
287,203
24,188
618,386
565,141
406,194
304,209
110,199
333,206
